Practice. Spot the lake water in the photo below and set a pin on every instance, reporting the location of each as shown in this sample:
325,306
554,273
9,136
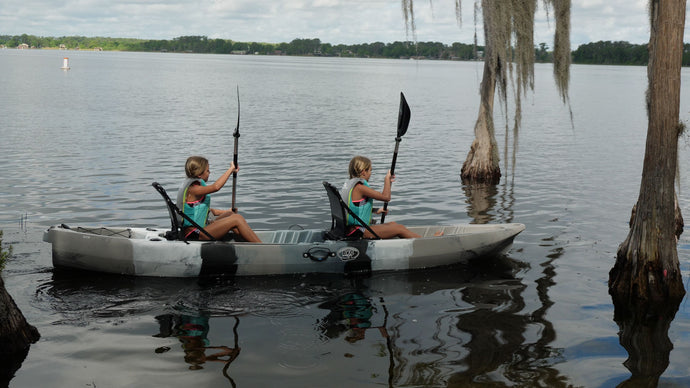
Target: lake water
83,146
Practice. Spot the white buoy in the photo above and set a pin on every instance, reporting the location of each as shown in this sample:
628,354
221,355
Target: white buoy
65,63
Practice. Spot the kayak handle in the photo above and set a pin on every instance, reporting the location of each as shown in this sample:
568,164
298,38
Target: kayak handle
318,254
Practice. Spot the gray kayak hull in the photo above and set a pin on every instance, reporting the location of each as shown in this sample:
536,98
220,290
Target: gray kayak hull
146,252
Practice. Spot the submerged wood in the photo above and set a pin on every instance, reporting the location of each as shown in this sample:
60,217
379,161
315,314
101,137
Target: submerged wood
647,269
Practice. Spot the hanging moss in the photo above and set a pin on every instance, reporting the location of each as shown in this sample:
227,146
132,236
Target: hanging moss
511,21
561,47
509,57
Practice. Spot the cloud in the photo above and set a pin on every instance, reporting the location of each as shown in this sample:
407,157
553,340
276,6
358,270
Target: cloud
332,21
613,20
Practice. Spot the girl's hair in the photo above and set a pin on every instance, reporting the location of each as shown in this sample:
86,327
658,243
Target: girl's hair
195,166
358,165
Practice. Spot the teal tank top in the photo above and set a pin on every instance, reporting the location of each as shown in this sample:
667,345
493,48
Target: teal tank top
197,210
361,208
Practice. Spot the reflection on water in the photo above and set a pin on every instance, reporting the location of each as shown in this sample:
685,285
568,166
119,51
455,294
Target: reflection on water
477,331
481,336
481,198
644,335
498,336
192,331
351,313
488,203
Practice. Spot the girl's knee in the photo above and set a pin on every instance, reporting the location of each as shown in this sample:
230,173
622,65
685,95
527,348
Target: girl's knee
399,227
237,217
238,220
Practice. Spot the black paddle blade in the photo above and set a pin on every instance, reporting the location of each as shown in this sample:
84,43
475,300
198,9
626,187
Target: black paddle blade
403,116
237,128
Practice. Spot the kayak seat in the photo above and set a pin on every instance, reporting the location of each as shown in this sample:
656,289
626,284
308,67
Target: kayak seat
176,215
175,232
339,211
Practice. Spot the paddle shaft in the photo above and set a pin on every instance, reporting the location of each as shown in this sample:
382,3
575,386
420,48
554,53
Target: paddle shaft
236,135
234,174
395,158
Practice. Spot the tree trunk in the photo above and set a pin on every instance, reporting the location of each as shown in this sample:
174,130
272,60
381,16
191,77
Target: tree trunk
15,336
647,268
679,222
482,163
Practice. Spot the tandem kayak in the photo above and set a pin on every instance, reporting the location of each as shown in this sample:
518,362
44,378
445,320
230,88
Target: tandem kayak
147,251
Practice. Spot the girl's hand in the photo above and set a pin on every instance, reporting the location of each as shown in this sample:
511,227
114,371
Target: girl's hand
233,168
380,210
389,177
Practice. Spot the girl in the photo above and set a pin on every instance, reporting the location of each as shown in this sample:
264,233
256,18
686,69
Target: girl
360,198
194,194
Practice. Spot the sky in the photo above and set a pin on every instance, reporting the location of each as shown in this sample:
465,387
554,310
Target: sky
332,21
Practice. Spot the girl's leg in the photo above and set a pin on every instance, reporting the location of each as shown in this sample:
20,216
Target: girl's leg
225,213
220,227
390,230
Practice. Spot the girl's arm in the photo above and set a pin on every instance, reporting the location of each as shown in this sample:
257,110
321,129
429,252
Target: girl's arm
199,190
361,191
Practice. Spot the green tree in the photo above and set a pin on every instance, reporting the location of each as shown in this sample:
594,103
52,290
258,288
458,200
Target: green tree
542,54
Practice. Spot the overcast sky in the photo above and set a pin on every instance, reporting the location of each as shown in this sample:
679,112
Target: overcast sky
276,21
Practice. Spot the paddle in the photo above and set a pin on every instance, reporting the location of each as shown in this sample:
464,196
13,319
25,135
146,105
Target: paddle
236,135
403,122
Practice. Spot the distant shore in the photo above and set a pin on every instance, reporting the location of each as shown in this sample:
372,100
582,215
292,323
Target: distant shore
602,52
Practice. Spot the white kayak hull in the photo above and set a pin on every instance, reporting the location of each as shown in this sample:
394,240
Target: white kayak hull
146,252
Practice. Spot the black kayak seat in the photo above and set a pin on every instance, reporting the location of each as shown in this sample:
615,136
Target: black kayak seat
339,211
176,215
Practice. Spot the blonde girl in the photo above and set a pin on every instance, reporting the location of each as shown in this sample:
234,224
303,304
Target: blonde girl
195,196
359,197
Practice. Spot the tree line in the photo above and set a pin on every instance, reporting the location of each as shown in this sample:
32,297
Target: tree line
204,45
602,52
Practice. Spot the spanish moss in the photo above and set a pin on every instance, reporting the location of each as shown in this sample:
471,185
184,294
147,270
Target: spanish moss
509,55
408,13
561,47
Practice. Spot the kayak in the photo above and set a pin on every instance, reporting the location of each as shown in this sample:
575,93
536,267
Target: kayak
147,252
